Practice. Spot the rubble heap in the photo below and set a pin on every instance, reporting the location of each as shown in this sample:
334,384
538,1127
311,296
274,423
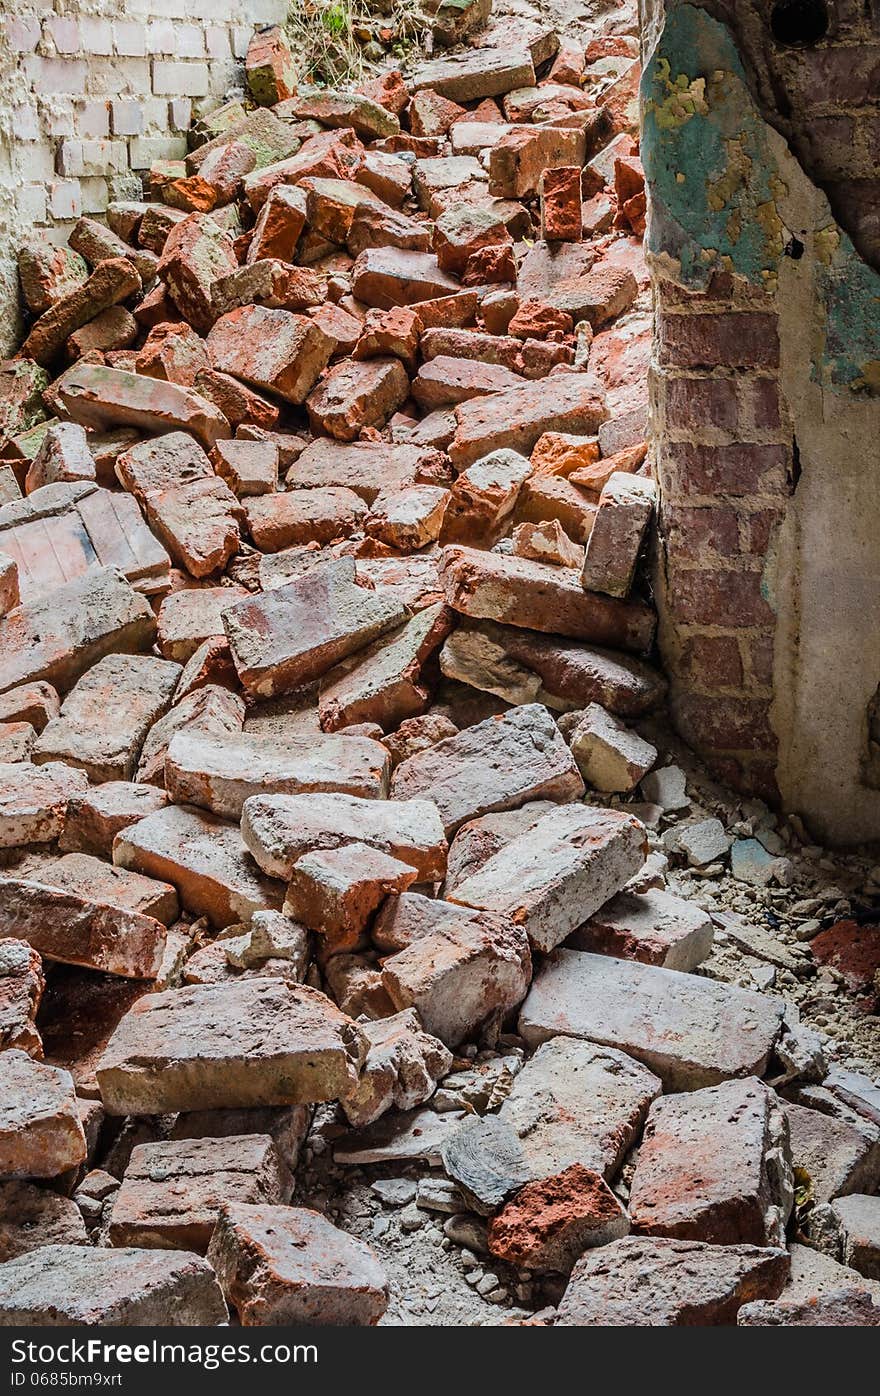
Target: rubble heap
330,817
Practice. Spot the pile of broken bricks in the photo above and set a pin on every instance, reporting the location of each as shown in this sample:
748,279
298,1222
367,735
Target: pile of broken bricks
323,820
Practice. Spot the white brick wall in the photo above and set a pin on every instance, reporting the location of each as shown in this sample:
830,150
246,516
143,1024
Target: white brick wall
97,88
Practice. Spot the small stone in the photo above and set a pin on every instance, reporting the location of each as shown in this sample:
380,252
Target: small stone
700,843
666,787
394,1192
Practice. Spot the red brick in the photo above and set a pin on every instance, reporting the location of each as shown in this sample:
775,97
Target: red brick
737,470
747,339
691,534
758,777
713,724
711,662
694,403
758,530
760,400
760,659
746,774
816,74
718,598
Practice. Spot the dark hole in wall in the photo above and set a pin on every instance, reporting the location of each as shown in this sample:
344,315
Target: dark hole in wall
796,23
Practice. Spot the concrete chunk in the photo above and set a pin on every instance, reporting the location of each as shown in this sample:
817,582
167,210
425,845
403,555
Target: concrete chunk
609,756
248,1042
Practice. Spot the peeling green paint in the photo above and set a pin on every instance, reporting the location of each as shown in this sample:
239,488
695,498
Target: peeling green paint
716,189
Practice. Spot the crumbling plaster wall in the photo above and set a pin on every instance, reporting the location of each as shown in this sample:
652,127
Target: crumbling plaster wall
814,66
91,93
767,433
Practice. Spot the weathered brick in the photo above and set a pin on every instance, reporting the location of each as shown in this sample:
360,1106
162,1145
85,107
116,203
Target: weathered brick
725,724
738,470
711,662
692,404
697,534
737,340
718,597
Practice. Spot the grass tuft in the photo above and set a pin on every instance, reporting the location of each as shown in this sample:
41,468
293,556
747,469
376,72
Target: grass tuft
344,41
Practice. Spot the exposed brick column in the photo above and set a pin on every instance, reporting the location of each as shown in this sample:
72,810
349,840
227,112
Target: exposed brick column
724,463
